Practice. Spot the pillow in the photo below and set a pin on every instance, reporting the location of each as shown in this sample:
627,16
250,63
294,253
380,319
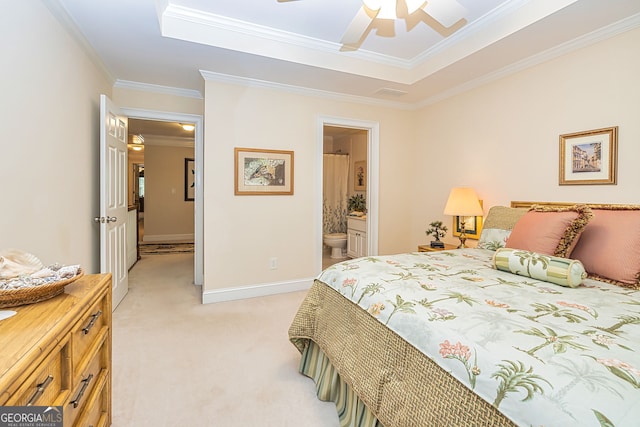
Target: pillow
561,271
609,247
550,230
497,226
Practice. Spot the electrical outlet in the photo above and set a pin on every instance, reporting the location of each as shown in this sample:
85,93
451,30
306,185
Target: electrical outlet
273,263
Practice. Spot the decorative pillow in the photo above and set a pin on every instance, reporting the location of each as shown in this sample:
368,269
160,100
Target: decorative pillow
498,225
609,247
561,271
550,230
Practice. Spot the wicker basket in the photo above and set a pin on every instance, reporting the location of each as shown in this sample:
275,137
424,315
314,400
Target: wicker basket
33,294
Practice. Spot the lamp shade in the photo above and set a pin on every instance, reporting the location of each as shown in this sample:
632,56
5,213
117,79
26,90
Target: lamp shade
463,201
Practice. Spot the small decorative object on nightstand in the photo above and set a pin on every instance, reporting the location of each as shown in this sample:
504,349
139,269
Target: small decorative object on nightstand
437,230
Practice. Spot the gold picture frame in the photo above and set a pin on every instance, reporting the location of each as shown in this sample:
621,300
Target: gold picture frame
472,226
260,172
589,157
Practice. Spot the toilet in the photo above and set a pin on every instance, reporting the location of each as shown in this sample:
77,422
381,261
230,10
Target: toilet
338,243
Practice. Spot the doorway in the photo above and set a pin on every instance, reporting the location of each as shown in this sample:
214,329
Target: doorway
197,190
344,193
370,132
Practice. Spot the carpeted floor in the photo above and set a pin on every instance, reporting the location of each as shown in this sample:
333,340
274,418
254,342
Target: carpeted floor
180,363
165,248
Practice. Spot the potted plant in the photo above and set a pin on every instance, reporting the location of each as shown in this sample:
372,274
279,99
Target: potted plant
357,203
437,230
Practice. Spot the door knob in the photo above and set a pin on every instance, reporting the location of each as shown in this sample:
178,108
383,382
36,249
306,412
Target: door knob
103,220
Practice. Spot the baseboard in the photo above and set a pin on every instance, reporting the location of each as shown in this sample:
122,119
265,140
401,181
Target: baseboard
161,238
231,294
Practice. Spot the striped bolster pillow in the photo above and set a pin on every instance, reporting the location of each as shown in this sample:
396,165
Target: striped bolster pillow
561,271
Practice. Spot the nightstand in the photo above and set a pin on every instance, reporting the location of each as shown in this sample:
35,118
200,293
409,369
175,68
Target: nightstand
428,248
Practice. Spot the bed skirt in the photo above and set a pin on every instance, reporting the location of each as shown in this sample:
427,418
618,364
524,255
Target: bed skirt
352,412
399,385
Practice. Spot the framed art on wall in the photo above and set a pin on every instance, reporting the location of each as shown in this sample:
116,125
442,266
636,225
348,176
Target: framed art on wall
263,172
360,176
189,180
589,157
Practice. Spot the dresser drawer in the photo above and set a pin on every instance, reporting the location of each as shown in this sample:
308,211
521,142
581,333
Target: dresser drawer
97,409
87,375
49,384
87,330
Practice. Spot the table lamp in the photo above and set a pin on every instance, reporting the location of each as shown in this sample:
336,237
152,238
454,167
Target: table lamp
463,202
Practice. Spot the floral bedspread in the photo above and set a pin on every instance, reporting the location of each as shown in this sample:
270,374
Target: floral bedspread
543,354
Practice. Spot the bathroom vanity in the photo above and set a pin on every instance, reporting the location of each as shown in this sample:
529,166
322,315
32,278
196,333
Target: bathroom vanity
356,237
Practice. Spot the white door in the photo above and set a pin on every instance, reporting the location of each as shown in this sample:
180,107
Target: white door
113,197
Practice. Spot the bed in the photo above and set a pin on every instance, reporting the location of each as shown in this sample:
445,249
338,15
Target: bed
537,326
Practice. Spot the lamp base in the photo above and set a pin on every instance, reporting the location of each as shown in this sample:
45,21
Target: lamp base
463,235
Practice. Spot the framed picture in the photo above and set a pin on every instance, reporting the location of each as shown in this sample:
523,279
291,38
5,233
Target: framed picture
589,157
472,225
360,176
189,180
263,172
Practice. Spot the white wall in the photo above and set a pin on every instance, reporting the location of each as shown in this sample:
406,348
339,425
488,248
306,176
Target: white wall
49,116
503,138
242,233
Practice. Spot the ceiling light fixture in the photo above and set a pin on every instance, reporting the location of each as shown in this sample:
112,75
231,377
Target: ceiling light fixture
188,127
387,9
137,148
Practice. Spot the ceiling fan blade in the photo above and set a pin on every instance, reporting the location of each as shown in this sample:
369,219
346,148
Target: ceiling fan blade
358,27
446,12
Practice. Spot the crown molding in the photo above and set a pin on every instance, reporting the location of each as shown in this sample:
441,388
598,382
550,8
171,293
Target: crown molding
592,38
165,90
261,32
60,13
299,90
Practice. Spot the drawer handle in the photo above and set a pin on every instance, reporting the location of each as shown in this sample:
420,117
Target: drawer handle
92,322
40,388
85,383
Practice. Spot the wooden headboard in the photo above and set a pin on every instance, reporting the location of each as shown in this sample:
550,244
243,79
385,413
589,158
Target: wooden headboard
522,204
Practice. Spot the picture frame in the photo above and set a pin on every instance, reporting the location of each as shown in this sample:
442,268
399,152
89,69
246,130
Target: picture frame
360,176
472,226
189,179
261,172
589,157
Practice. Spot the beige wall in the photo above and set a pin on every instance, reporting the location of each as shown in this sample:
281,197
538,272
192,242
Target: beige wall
167,216
243,232
49,116
503,138
144,100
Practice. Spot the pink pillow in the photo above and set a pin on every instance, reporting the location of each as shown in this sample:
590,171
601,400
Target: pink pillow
549,230
609,247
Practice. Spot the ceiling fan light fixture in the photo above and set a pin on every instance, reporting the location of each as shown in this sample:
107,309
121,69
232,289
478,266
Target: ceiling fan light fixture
386,8
414,5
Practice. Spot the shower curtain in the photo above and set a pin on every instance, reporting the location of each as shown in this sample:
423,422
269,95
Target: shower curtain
334,188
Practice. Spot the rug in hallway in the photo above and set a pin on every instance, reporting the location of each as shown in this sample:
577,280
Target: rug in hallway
165,248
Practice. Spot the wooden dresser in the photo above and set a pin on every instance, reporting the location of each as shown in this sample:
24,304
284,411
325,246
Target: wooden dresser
58,353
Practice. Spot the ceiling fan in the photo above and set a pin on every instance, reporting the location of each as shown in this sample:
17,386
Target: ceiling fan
446,12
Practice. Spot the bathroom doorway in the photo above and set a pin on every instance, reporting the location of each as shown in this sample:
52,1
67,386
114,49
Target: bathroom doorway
354,144
344,179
